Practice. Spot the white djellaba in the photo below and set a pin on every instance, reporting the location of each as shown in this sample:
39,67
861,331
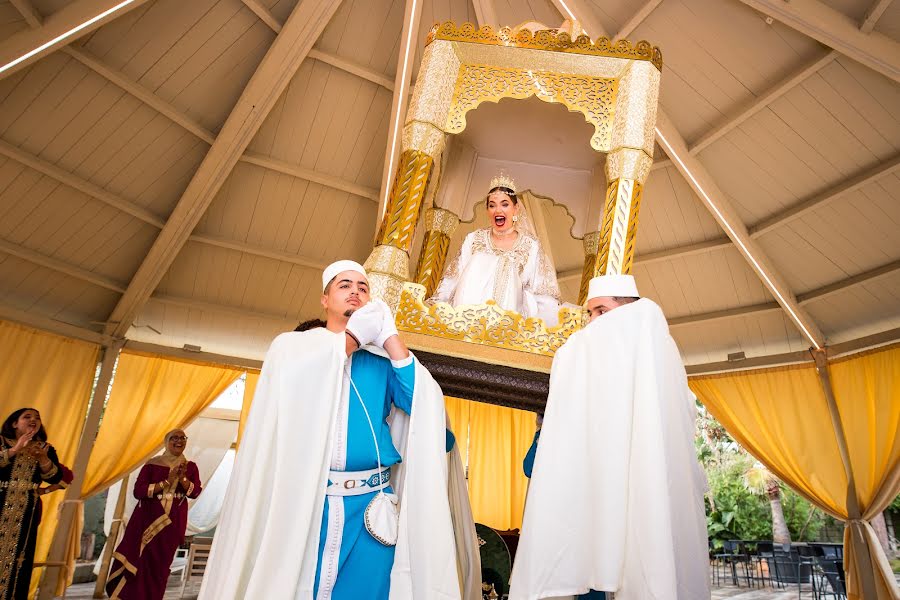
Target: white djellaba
616,495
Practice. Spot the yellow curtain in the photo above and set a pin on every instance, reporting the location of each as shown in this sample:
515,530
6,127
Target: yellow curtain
781,416
249,392
867,393
458,411
54,375
499,438
151,395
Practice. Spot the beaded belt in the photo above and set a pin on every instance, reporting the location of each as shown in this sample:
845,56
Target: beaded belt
169,495
356,483
19,485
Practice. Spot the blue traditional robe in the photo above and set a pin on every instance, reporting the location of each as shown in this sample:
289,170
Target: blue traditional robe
352,564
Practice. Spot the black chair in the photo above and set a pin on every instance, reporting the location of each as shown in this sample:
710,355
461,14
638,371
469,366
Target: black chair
807,561
833,575
764,555
787,567
734,554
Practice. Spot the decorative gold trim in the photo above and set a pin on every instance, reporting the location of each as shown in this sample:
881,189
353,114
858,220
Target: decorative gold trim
12,516
432,259
619,229
485,324
423,137
591,244
593,97
547,39
388,260
486,354
399,222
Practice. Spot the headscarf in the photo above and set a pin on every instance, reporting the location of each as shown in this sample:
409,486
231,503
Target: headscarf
168,459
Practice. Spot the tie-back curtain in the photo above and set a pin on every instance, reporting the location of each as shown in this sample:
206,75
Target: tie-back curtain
55,375
498,439
151,395
781,417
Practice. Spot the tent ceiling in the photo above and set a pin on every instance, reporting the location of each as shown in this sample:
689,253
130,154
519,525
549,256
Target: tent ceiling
100,139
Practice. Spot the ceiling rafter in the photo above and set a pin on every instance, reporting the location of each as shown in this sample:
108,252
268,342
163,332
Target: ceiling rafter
348,66
28,12
636,19
66,25
306,23
873,14
30,319
705,186
836,30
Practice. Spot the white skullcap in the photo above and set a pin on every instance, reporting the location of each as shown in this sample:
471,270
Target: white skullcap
609,286
340,266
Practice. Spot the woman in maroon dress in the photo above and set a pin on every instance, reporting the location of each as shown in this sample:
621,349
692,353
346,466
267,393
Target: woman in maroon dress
141,563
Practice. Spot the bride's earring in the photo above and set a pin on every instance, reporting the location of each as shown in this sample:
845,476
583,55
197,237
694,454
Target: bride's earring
515,218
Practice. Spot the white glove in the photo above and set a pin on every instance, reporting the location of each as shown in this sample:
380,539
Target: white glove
389,328
366,323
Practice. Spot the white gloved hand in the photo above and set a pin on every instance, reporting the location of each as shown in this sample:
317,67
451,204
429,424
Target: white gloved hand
365,324
389,327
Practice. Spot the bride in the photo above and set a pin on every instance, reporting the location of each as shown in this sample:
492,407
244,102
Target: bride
503,262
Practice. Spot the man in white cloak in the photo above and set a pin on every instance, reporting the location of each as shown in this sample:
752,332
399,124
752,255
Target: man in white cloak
616,496
310,512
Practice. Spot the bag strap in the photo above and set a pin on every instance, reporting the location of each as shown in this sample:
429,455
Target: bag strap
368,418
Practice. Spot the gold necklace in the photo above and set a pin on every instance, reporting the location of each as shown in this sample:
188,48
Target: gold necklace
500,234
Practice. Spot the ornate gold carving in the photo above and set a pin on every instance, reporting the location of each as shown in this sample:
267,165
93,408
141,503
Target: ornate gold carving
434,85
635,117
388,260
442,220
591,243
399,223
619,229
485,324
423,137
432,260
387,288
628,163
547,39
593,97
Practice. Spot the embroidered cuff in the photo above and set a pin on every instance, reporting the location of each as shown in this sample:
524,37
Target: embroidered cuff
403,362
50,474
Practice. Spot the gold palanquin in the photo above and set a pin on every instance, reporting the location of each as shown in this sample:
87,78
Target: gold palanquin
615,86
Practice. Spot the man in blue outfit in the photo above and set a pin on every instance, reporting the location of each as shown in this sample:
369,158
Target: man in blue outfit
331,438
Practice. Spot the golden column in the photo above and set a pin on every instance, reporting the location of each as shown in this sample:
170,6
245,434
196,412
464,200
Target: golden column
610,249
388,264
439,227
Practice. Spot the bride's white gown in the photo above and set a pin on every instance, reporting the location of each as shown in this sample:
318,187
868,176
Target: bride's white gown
520,279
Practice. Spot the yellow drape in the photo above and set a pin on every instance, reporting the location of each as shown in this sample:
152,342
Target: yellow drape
781,416
151,395
499,438
54,375
458,411
249,392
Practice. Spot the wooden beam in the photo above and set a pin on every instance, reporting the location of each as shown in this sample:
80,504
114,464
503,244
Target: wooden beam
142,94
51,325
222,309
310,175
220,359
277,68
757,104
66,25
64,177
740,311
287,257
31,15
485,13
412,15
873,14
61,266
264,14
845,187
840,286
636,19
835,30
353,68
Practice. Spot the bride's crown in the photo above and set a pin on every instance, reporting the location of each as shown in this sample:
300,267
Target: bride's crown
503,180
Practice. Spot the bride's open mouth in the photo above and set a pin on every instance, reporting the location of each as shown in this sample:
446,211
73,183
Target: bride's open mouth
499,220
